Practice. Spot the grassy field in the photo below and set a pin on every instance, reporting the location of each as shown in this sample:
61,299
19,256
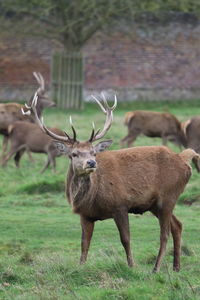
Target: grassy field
40,236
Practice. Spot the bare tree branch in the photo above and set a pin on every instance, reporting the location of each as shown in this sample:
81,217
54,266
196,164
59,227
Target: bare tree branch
73,22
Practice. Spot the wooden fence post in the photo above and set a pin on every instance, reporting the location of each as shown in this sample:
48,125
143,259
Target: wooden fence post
67,79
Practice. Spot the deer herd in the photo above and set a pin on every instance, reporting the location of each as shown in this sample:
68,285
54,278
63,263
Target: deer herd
101,183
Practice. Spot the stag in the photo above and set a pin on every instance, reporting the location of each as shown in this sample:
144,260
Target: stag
111,184
11,112
26,136
153,124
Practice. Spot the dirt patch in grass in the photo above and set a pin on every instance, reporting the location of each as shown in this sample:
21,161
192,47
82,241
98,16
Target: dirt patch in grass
191,200
26,258
12,247
9,277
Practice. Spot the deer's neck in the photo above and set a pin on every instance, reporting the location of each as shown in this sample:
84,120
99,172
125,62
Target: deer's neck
81,191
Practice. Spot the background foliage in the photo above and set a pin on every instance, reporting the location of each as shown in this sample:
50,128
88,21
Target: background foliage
73,22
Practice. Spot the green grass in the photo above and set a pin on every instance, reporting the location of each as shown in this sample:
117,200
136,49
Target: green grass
40,236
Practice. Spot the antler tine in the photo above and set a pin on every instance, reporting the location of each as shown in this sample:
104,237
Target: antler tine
91,136
73,129
25,112
104,100
115,103
41,80
26,105
28,112
35,74
99,103
93,132
38,78
106,103
109,117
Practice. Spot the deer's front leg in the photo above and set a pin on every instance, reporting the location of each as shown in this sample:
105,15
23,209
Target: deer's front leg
122,222
87,231
4,147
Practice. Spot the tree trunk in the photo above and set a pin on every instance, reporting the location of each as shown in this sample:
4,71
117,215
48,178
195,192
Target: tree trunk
67,79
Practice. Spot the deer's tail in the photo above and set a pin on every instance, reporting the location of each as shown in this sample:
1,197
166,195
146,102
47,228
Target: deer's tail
10,129
128,116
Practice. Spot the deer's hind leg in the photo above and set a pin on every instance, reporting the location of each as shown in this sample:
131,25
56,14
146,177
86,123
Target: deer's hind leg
46,164
18,156
176,230
29,155
53,163
164,216
13,150
50,160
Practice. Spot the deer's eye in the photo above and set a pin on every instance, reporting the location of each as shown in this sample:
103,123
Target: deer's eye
93,153
74,154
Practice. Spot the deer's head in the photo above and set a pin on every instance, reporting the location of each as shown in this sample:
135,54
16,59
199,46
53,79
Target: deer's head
82,154
43,100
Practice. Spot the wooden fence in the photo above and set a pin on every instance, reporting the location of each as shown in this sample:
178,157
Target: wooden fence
67,80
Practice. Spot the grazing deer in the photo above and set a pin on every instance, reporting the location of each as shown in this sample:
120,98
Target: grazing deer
102,185
191,128
153,124
26,136
11,112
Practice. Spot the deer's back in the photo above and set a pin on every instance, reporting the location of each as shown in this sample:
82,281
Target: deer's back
154,123
139,175
31,135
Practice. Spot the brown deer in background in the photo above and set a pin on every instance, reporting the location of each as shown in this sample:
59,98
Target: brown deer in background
191,128
111,184
153,124
26,136
11,112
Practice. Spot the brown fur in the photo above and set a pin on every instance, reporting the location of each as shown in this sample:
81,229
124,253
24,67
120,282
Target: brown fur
11,112
28,136
184,125
131,180
192,131
153,124
128,116
111,184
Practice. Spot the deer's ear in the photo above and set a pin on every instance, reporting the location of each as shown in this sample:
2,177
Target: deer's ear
102,146
62,148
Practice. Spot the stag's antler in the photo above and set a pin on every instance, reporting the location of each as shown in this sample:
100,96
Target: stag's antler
108,111
40,123
40,80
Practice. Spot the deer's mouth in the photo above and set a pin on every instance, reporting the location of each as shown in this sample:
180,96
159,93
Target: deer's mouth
90,166
85,171
90,170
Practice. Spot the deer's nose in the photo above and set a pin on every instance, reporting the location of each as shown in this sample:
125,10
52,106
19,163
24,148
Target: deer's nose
91,163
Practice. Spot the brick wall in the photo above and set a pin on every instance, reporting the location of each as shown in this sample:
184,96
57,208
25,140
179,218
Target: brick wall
160,62
19,57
